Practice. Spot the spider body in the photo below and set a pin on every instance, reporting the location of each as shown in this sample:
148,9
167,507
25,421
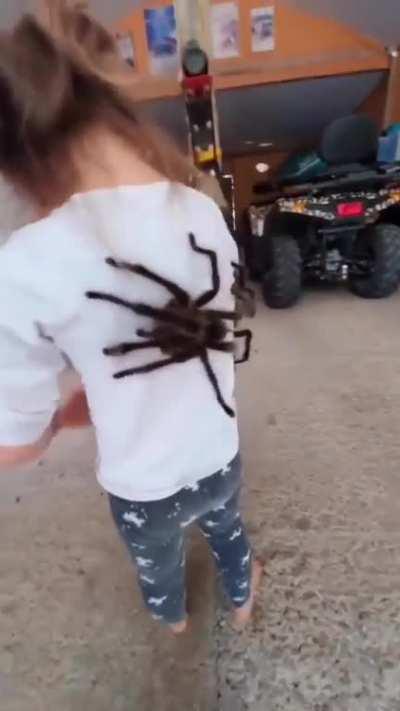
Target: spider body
183,329
202,330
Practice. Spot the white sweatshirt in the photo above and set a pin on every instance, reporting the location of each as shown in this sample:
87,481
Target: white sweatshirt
157,432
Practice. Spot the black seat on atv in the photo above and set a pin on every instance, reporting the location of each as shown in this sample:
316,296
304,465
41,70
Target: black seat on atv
350,141
349,147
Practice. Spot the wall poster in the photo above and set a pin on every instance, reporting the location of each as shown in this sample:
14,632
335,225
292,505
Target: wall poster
263,29
225,30
162,40
126,47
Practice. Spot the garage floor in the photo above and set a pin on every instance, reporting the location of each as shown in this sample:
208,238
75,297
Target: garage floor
320,411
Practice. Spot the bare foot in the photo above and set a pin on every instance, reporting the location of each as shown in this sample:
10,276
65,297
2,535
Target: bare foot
242,615
178,628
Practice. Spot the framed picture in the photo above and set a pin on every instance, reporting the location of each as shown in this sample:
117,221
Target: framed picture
162,40
126,48
225,30
263,29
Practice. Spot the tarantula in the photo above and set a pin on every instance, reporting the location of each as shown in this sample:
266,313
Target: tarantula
183,329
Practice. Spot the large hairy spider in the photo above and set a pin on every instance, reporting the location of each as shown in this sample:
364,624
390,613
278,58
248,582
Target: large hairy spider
183,329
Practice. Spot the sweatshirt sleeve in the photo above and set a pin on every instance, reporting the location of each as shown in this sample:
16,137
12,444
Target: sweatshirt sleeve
29,362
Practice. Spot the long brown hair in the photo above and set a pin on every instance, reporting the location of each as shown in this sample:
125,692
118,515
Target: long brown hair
55,85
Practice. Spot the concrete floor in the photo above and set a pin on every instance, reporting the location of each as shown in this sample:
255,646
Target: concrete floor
320,420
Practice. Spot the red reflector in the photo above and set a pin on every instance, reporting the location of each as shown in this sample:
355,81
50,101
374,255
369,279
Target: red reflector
351,209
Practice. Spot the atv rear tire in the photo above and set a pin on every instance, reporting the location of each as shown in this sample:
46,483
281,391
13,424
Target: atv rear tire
382,243
282,281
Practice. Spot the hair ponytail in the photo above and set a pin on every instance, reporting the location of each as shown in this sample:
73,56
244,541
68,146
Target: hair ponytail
87,41
35,94
56,85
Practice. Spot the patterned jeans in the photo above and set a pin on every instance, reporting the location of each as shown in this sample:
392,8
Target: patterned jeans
154,533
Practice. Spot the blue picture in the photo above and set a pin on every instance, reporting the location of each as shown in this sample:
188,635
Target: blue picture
162,40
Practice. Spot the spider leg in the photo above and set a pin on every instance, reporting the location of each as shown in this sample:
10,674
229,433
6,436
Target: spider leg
100,296
162,315
141,309
241,279
240,274
177,292
165,339
209,295
226,347
248,335
214,382
245,297
150,367
225,315
142,333
123,348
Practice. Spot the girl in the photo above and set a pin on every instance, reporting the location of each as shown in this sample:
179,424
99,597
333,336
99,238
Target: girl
128,275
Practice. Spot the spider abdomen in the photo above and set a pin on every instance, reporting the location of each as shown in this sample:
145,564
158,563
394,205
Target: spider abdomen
191,329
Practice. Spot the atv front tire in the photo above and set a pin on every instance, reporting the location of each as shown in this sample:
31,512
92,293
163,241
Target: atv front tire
380,244
282,282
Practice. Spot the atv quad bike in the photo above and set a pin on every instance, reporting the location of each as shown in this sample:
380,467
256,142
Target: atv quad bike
341,225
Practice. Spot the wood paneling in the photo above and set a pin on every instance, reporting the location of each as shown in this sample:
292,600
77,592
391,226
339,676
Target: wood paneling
374,105
306,46
245,174
392,108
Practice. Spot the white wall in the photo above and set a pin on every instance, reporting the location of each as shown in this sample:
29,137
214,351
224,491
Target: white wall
106,10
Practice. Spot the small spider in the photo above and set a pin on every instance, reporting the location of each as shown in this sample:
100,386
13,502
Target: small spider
183,329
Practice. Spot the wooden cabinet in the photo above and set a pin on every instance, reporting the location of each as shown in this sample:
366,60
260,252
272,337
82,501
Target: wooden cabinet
304,46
